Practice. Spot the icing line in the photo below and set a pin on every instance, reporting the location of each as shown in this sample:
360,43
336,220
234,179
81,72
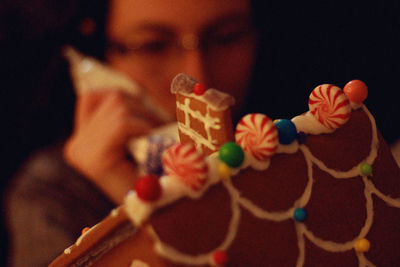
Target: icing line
301,229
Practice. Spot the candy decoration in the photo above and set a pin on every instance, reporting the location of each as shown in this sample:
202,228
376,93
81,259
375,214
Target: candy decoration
356,91
287,131
220,257
224,171
232,154
362,245
365,169
186,164
84,230
300,214
156,146
257,135
199,88
148,188
329,105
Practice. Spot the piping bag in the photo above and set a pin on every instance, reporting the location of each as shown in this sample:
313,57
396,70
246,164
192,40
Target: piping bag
90,74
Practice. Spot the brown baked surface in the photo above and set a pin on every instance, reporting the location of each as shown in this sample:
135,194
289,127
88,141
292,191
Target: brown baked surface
220,136
336,211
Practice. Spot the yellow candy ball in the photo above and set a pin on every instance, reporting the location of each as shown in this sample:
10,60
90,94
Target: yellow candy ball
362,245
224,171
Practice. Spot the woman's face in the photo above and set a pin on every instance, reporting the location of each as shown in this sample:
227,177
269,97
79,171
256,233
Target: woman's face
210,40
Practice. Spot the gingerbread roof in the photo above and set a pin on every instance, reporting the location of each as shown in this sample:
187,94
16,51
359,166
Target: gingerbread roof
320,189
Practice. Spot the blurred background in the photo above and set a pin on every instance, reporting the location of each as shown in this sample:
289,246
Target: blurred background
303,45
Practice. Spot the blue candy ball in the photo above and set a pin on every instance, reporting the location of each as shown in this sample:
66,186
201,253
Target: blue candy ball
287,132
300,214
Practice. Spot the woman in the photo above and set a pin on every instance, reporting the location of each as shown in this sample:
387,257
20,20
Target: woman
215,42
51,201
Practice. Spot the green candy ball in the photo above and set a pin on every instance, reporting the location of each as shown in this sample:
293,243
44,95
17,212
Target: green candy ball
232,154
366,169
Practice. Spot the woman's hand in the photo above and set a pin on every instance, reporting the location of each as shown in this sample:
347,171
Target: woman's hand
104,122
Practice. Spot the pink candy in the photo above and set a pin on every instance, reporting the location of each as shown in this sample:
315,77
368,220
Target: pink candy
257,135
185,163
329,105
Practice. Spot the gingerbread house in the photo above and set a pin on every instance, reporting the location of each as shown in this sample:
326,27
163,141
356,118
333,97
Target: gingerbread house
321,189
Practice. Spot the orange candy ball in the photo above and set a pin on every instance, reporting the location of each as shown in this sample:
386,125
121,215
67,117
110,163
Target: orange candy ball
356,91
84,230
362,245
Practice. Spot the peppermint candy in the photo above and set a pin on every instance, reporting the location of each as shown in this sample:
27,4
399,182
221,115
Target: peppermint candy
329,105
257,135
185,163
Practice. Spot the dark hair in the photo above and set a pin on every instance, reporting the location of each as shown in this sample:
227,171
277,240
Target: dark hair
36,91
37,94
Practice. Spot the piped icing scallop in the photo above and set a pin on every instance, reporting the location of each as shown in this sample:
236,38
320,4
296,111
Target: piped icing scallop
315,197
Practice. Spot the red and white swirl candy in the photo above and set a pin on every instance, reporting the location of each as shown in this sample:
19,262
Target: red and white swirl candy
329,105
185,163
257,134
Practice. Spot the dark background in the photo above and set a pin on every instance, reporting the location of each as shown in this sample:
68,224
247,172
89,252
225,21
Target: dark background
304,44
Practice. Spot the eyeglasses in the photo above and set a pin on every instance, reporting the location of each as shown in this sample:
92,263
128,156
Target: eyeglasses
165,48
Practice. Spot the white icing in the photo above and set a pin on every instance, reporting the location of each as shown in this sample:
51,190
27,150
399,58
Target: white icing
202,99
67,250
207,119
139,211
363,261
114,213
249,160
172,190
288,149
308,124
174,255
79,240
139,263
355,106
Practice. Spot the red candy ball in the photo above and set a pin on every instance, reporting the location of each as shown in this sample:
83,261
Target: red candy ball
356,91
220,258
148,188
199,88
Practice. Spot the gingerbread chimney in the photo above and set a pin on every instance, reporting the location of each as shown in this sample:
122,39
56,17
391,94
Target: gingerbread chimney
204,116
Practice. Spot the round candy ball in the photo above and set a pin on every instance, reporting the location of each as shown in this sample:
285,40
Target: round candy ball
199,88
300,214
365,169
148,187
220,257
232,154
356,91
85,230
224,171
362,245
287,131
